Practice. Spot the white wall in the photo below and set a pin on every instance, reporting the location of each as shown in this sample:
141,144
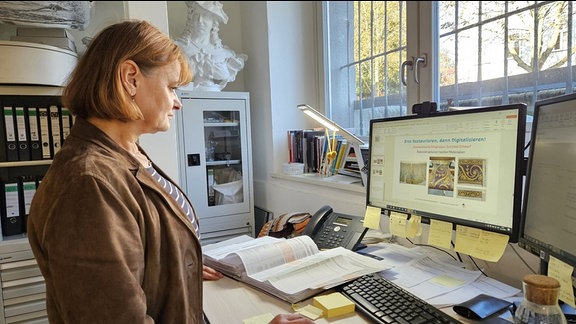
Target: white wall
281,38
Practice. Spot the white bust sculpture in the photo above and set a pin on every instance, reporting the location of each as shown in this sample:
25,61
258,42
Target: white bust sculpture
213,64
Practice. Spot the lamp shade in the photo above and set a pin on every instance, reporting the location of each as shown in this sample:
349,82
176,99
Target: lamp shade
328,123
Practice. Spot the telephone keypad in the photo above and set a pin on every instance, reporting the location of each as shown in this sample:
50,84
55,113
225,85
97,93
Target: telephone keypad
332,236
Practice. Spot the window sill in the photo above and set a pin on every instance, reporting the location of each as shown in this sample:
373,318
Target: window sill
315,179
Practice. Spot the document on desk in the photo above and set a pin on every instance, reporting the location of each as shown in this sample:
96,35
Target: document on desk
427,278
440,281
290,269
483,285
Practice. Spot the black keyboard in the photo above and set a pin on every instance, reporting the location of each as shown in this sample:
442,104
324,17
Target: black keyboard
386,302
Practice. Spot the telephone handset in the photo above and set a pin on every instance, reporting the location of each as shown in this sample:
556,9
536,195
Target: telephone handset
329,229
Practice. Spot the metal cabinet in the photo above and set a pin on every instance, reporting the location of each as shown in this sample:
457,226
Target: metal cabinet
23,288
215,161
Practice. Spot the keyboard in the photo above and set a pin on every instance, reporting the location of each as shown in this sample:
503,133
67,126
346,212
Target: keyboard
386,302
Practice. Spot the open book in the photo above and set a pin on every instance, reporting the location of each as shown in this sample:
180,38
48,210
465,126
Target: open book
290,269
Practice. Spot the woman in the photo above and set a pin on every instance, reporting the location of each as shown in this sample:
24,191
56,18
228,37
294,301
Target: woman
115,238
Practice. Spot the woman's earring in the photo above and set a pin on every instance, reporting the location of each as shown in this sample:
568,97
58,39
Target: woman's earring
132,96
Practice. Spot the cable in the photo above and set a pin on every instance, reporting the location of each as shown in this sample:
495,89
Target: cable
477,267
458,254
522,259
437,248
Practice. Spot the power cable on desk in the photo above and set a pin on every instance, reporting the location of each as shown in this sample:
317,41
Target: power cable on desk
426,245
522,259
458,254
477,267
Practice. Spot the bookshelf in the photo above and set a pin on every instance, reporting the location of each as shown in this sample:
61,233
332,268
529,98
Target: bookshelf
22,290
312,146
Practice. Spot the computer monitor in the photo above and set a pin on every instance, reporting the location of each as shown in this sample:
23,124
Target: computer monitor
549,224
464,167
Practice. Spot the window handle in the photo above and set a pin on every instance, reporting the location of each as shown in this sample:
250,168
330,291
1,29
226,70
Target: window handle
421,60
412,64
405,65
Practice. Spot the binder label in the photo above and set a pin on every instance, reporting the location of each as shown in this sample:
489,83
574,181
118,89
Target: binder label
29,189
55,128
9,121
21,124
34,135
12,206
44,133
11,138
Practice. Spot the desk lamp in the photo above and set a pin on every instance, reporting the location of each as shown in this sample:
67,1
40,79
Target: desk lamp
353,141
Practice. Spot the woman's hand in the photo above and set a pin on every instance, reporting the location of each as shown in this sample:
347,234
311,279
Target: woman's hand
211,274
291,319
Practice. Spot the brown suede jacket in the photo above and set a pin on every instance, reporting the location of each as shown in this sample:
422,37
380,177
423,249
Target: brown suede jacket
112,245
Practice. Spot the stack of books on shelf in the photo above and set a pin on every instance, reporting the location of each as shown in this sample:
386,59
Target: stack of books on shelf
312,146
59,37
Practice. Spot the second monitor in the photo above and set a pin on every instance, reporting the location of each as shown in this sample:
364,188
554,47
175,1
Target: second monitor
465,167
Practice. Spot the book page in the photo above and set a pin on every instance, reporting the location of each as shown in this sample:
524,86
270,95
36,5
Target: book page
264,257
220,250
221,256
321,270
245,254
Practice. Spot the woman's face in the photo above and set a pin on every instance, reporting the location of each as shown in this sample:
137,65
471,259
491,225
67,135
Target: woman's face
156,96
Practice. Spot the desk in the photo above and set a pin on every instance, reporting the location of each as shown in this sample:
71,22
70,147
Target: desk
228,301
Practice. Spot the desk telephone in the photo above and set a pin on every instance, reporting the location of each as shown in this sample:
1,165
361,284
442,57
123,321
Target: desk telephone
329,229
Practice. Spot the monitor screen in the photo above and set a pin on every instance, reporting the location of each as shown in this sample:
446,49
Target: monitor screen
463,167
549,224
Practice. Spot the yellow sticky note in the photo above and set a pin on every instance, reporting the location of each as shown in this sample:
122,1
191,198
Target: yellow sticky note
480,244
311,312
448,281
260,319
372,217
563,273
490,246
398,224
334,304
466,238
414,227
440,234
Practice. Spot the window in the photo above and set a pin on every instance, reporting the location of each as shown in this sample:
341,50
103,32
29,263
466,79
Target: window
455,53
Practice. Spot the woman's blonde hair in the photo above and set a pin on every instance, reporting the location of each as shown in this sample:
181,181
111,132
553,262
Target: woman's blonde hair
94,89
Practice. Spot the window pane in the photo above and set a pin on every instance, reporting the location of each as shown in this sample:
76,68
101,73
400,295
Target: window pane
522,52
371,69
467,55
489,52
493,54
467,13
